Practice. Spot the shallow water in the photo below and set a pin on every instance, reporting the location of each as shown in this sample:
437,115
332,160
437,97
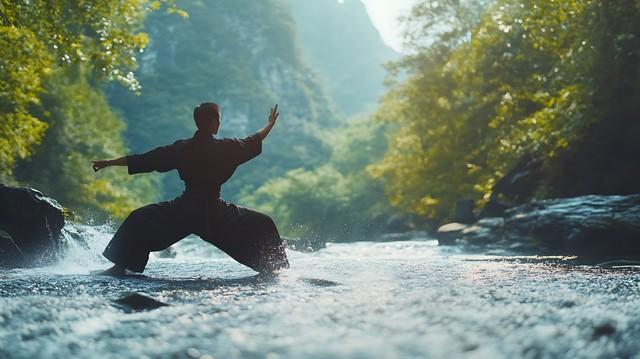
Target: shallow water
408,299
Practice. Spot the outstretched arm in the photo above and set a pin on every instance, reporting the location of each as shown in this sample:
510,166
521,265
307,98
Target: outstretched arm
161,159
100,164
271,121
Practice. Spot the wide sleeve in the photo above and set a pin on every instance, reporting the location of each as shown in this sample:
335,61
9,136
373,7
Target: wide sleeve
244,149
161,159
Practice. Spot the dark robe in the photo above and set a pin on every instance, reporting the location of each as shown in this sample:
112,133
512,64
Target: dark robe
204,164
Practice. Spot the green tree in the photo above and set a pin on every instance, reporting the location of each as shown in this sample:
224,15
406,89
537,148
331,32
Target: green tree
82,127
38,37
520,78
336,201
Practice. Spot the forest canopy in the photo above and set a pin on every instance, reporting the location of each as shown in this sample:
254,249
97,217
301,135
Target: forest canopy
55,56
490,83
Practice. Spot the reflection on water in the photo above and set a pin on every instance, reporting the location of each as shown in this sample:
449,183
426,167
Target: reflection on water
361,300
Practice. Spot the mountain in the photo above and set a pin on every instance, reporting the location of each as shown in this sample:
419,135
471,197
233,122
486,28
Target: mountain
346,49
244,55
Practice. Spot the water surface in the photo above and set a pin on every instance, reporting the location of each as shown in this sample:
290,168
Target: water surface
408,299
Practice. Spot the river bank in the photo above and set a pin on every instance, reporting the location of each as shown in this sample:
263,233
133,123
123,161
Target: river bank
592,226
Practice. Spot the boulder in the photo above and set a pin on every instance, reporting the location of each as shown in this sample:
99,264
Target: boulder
585,225
135,302
494,208
592,225
32,222
520,183
515,187
464,211
450,233
9,251
167,253
484,231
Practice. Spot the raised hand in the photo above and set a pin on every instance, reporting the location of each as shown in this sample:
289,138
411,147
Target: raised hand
273,115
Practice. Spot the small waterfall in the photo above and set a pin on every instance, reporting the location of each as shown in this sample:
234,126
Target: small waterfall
82,248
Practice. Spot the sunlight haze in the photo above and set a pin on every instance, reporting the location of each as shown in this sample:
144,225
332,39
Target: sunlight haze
384,15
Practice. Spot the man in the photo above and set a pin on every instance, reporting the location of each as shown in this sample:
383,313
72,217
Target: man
204,163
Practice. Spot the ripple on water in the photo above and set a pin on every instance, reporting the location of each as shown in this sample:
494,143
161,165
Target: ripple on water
364,300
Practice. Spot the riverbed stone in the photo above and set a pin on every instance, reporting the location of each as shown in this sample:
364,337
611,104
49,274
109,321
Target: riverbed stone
138,301
449,233
603,330
591,225
33,221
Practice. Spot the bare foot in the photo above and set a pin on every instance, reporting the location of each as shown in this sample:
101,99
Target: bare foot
116,270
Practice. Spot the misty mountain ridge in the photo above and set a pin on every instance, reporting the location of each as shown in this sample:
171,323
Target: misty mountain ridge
342,44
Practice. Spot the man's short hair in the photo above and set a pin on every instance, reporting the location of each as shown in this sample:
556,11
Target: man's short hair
206,113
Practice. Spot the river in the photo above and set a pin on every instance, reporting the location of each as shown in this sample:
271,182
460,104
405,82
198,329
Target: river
405,299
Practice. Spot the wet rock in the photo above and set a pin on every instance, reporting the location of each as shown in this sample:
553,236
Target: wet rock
587,225
33,221
602,225
516,187
521,181
619,263
494,208
603,330
9,251
167,253
319,282
486,231
450,233
464,211
135,302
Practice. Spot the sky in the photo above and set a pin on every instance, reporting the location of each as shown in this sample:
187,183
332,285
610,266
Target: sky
384,14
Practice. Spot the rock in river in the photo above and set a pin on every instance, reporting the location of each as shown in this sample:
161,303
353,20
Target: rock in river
588,225
31,225
134,302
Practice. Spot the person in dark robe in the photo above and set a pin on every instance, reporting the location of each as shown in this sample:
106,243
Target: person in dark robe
204,162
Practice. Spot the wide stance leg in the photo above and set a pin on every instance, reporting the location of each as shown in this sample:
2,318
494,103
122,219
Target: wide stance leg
146,229
249,237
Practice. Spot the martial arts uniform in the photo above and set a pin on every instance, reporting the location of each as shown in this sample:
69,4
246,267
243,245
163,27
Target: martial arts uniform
204,164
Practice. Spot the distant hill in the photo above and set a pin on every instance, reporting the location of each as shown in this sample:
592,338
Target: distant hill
345,48
244,55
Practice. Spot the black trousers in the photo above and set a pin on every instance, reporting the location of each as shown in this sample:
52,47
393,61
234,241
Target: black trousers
248,236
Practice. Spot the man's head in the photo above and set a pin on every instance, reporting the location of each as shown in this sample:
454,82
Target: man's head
207,117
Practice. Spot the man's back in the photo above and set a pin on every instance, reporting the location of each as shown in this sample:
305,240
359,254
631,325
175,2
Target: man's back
203,162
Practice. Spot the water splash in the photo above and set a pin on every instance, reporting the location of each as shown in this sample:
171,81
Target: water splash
368,300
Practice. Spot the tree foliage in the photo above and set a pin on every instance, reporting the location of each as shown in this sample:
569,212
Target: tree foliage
519,78
335,201
39,37
82,127
53,116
